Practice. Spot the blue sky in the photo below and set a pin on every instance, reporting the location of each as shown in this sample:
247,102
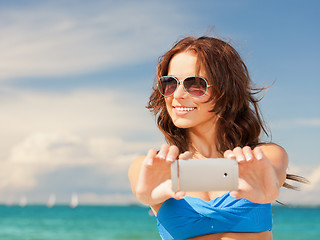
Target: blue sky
75,77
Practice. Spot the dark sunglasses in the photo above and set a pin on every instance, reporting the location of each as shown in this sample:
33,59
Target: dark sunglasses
195,86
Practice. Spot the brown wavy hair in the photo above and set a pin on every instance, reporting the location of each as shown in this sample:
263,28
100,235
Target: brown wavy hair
234,99
239,122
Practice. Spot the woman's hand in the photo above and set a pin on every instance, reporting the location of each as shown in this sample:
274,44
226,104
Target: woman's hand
154,184
258,177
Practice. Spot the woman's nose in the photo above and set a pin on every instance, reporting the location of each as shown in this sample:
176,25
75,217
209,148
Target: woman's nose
180,92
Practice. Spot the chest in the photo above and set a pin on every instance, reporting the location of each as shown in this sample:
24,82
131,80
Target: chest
206,196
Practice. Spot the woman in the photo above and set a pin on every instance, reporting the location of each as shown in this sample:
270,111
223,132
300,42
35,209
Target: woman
205,106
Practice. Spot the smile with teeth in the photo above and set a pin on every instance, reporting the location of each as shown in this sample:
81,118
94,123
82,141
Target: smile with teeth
185,109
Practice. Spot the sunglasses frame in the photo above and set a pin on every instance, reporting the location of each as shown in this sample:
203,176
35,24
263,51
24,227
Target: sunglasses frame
181,82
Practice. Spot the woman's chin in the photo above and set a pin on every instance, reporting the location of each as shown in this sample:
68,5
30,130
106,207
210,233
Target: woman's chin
183,123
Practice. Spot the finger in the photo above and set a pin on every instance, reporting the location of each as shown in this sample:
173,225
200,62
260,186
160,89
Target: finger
258,153
247,151
237,194
148,161
239,154
185,155
162,154
171,194
229,154
172,153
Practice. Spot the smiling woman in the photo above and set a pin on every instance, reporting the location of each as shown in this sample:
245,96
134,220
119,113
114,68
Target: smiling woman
206,107
231,91
193,110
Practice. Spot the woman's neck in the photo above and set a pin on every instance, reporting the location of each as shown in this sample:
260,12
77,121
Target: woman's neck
203,142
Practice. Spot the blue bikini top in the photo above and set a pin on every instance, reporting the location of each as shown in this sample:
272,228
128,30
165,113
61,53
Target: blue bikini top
191,217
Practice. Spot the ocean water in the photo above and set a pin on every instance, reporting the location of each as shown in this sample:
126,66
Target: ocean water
126,222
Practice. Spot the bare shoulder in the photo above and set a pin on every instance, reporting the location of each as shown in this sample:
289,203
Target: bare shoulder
279,159
274,152
134,171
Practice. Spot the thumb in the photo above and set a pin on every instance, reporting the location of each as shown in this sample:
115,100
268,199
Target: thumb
179,195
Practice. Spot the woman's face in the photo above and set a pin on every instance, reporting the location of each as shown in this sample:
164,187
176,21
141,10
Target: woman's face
185,110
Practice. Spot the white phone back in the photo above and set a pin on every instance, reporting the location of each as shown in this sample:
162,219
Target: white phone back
203,175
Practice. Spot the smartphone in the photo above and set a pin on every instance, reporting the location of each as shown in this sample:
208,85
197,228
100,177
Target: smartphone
203,175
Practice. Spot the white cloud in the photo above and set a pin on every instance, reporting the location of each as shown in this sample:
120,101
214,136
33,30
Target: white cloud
97,112
309,122
65,142
49,40
308,194
314,179
295,123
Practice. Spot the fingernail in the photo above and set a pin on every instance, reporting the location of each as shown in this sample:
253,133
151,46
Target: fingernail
241,158
150,161
170,158
231,155
162,156
259,156
249,157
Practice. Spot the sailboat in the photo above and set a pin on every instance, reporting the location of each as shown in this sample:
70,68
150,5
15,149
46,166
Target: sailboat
74,200
9,202
23,201
51,201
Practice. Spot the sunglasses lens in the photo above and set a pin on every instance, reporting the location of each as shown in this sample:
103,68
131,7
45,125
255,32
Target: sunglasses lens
167,85
196,86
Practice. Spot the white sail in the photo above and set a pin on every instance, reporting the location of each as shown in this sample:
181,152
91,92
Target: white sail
9,202
23,201
74,200
51,201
